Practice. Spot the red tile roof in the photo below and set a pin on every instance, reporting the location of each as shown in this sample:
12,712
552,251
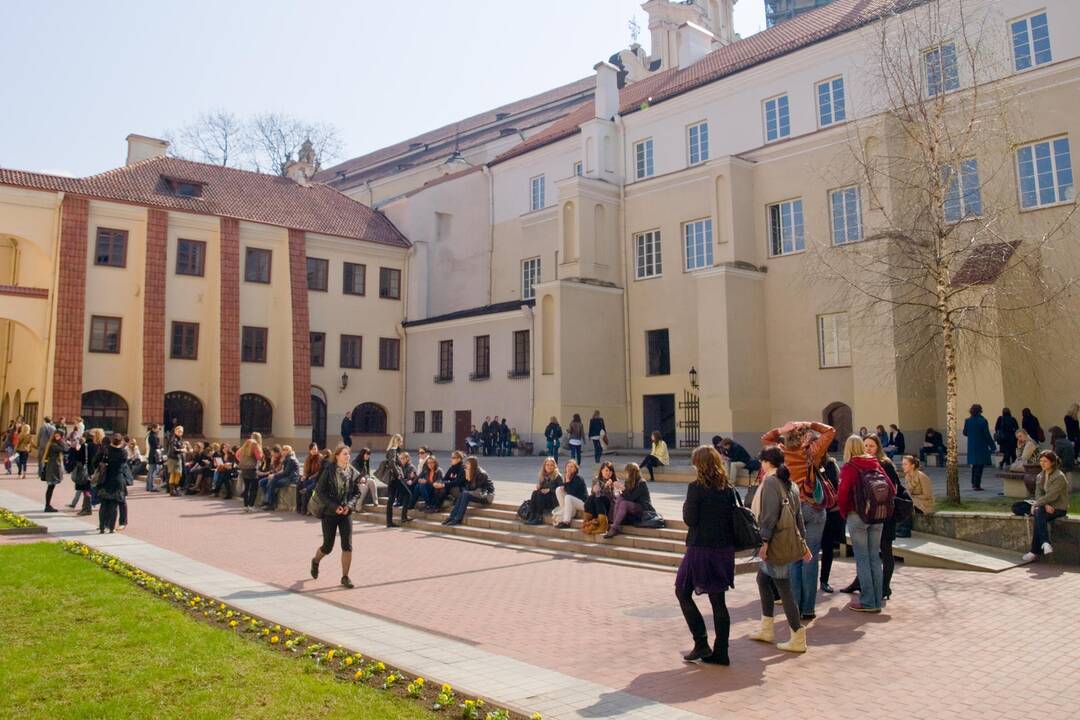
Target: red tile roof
227,192
801,31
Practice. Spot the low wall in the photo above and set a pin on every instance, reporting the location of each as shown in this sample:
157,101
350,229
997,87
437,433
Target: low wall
1007,532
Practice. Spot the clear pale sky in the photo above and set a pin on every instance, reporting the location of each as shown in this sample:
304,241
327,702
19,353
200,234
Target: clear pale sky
81,75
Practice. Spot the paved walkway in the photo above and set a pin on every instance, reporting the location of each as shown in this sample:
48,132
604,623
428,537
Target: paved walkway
577,639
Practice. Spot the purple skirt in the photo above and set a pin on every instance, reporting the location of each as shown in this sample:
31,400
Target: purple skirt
707,570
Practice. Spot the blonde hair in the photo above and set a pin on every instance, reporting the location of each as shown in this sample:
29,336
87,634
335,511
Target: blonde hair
256,437
543,465
853,447
396,441
577,468
97,434
286,449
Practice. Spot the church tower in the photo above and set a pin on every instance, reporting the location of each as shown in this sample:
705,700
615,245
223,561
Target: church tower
684,32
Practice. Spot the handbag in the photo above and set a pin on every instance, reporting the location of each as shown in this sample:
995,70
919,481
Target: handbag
786,544
747,533
651,519
824,492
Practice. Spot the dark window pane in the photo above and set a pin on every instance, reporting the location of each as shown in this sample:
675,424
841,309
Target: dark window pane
418,421
389,353
350,351
190,257
185,341
318,271
369,419
482,357
436,421
389,283
253,347
104,334
257,265
105,410
354,279
111,247
446,360
521,354
658,360
318,349
256,415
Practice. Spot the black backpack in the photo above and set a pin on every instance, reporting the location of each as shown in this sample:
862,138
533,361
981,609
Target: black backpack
747,532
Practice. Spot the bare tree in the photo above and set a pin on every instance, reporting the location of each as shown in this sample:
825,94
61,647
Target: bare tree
276,139
217,137
949,265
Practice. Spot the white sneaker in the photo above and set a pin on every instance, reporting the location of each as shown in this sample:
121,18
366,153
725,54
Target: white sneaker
1047,548
1028,557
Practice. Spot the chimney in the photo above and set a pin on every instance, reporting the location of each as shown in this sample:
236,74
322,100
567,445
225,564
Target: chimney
606,98
141,147
301,170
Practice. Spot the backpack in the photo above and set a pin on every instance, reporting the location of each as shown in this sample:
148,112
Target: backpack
524,511
747,533
874,496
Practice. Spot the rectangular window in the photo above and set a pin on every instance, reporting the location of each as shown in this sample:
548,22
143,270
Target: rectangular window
521,354
481,357
389,354
963,194
578,169
418,421
536,193
846,215
318,274
111,247
657,353
317,342
941,72
786,228
104,334
777,118
643,159
697,238
390,283
697,139
190,257
354,279
184,343
1030,41
1045,171
446,361
257,265
253,344
530,275
834,345
436,421
649,260
830,99
351,349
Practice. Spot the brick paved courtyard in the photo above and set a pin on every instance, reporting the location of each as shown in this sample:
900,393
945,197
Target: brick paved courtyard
951,644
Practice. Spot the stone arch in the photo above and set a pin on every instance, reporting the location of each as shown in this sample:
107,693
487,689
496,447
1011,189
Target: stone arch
106,410
369,418
16,409
838,415
256,415
186,409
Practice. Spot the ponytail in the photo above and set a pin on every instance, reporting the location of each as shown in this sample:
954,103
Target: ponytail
782,473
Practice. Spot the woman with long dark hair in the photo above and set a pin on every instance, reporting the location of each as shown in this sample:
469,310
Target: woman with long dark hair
394,477
110,490
478,489
336,490
631,502
53,459
576,433
708,567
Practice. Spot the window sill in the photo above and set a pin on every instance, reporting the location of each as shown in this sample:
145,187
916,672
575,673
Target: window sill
518,375
440,380
649,277
834,367
1049,206
793,252
476,377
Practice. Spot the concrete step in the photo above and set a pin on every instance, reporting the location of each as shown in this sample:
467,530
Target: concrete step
508,510
934,551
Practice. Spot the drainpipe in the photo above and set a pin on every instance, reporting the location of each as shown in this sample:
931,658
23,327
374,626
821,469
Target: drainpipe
626,285
402,336
486,169
531,313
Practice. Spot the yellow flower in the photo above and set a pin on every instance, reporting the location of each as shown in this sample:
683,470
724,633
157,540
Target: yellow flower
221,606
419,681
536,716
359,675
276,628
289,644
232,623
380,666
330,655
288,632
348,661
274,640
446,689
229,614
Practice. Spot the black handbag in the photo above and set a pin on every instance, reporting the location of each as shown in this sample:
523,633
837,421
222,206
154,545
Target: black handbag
651,519
747,533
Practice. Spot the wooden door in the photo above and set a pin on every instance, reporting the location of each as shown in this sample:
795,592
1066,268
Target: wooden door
462,425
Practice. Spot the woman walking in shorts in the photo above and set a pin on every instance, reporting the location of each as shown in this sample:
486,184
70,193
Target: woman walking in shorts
336,489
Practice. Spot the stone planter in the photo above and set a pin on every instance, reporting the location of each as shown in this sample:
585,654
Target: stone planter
1007,532
35,530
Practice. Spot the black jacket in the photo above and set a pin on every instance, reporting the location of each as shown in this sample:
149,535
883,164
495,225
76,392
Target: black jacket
112,480
709,516
897,439
481,483
454,476
553,431
576,487
595,426
328,490
1072,429
639,495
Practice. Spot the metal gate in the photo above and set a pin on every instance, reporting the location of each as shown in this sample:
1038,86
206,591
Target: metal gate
690,424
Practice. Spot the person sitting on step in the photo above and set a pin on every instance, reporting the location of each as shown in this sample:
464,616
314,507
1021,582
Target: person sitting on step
543,498
571,495
478,489
631,502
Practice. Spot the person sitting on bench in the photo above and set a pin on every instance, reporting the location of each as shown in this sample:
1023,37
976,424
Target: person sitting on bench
1051,502
933,444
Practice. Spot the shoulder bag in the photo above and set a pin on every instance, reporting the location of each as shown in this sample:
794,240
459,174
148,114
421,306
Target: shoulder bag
786,544
747,533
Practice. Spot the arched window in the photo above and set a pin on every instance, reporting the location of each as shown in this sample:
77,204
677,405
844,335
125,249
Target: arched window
105,410
182,408
369,419
256,415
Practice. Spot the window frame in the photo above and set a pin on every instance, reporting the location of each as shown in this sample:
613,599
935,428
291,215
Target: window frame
114,236
521,355
1039,205
963,196
830,83
324,263
528,290
537,193
481,357
707,238
182,325
702,143
645,166
801,227
345,288
663,351
780,135
842,192
579,168
200,246
316,338
446,361
436,422
250,251
384,288
265,340
840,356
418,421
385,355
639,256
106,320
342,345
942,77
1032,57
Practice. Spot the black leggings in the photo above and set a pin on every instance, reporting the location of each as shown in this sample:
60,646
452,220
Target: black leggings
336,524
48,494
827,552
696,623
251,487
397,490
107,515
976,476
765,585
649,463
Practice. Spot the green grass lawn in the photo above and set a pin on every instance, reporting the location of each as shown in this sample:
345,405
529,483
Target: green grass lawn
996,504
5,524
79,642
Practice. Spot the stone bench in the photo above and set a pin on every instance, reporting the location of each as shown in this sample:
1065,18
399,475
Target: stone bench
1005,531
286,498
1017,483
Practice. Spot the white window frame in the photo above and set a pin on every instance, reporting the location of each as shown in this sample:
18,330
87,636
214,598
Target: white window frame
834,328
953,179
1054,170
643,159
1032,59
700,146
944,88
845,195
780,134
798,227
697,244
579,168
648,255
537,193
829,85
530,276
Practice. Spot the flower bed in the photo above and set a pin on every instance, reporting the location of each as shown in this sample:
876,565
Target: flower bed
15,524
347,665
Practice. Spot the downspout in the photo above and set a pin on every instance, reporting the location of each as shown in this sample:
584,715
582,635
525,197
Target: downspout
403,336
626,286
532,371
486,169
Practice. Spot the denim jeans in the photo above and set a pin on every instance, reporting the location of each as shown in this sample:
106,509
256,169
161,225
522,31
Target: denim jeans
462,504
575,453
1041,531
151,473
804,575
553,449
866,544
271,488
